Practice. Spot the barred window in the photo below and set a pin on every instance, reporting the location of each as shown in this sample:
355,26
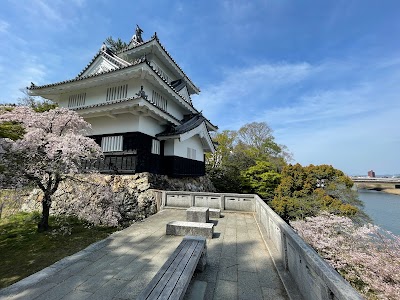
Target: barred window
159,100
77,100
117,92
111,143
191,153
155,147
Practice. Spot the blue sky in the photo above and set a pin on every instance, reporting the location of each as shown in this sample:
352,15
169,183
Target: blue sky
325,75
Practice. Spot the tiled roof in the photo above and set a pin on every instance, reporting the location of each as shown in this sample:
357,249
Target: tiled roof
155,37
136,62
115,59
110,56
178,84
125,100
135,45
192,123
171,86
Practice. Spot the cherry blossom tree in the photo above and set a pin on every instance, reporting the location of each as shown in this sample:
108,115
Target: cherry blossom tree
367,256
51,150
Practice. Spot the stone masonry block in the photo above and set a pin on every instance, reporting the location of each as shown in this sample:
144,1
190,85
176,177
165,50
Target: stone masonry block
190,228
197,214
215,213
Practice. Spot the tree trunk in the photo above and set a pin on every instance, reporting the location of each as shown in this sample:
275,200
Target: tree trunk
44,222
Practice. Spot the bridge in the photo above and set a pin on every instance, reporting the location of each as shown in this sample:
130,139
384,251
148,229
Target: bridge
376,183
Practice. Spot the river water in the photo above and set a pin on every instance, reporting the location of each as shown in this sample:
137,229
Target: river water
383,208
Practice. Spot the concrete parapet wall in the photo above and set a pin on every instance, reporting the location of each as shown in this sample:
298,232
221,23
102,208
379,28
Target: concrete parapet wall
314,277
232,202
295,260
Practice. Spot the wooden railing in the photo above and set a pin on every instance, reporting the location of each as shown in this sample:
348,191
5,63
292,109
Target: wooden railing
116,164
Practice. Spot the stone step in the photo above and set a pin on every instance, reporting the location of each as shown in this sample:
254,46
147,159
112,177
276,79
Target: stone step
190,228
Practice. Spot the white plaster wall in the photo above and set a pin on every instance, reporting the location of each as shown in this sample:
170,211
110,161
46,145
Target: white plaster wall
133,87
175,110
149,126
163,67
106,125
184,92
98,94
169,148
62,102
177,148
172,107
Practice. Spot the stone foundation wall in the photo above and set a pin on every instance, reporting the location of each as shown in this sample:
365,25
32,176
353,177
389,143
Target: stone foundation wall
114,199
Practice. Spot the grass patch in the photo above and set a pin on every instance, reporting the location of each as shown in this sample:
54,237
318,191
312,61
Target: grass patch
24,251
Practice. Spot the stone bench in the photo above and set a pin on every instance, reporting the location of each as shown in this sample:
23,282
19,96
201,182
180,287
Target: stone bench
214,213
172,280
190,228
197,214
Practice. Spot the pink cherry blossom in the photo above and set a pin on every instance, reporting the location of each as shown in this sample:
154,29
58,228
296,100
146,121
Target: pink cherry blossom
367,256
52,149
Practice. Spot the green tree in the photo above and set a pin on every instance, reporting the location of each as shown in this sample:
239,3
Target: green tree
220,166
237,151
225,145
257,141
38,104
11,130
262,179
115,45
298,195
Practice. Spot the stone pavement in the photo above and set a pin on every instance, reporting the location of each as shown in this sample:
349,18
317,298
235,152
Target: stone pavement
119,267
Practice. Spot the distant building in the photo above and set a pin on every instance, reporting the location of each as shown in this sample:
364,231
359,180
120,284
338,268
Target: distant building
371,174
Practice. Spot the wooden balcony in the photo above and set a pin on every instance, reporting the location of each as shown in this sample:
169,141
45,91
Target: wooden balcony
123,163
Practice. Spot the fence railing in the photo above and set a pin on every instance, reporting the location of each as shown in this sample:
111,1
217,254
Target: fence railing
117,164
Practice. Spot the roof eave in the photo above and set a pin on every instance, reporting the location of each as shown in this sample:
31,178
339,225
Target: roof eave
200,130
78,80
155,41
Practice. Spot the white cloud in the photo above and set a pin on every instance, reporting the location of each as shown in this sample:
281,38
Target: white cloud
51,15
341,113
245,89
4,26
355,146
29,70
48,11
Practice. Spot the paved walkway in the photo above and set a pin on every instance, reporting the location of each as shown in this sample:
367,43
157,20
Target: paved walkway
119,267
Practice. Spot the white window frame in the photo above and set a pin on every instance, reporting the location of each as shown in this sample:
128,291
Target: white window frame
117,92
155,147
191,153
76,100
112,143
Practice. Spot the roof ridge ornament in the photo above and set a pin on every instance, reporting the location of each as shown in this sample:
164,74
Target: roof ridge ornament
141,93
137,37
104,47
